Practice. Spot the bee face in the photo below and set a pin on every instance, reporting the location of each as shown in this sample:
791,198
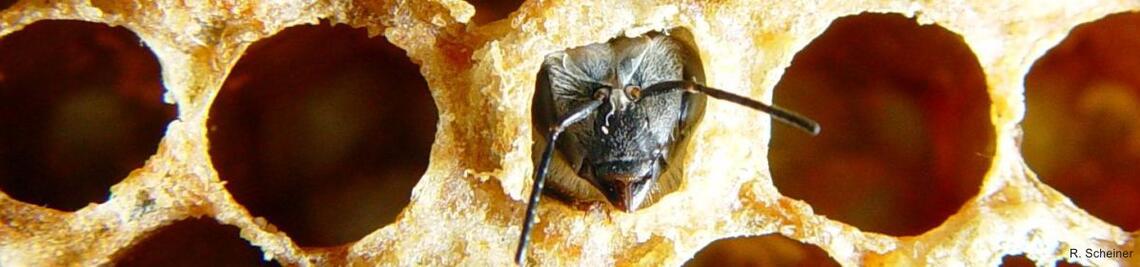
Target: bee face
617,113
621,149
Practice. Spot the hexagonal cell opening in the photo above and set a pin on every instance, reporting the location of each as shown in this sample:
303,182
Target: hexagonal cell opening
1020,260
906,138
80,108
323,131
765,250
487,11
1082,132
193,242
5,4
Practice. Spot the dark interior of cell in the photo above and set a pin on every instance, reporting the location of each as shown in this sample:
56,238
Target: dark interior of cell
906,138
1082,125
1020,260
766,250
323,131
193,242
487,11
80,107
5,4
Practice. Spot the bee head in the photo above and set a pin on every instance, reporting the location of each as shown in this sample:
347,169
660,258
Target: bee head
629,140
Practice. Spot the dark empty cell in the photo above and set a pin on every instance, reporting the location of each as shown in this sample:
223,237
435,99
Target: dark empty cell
5,4
80,107
1017,261
1020,260
487,11
323,131
193,242
1082,127
906,134
766,250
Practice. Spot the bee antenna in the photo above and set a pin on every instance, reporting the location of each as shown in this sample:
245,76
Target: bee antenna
574,116
783,115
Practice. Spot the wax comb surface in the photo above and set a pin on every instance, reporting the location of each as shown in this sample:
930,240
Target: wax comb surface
466,208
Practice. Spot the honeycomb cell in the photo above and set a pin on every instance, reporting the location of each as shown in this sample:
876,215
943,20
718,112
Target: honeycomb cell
1020,260
193,242
766,250
323,131
80,108
565,177
906,134
4,4
487,11
1082,127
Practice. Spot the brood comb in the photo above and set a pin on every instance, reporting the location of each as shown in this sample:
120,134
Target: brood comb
466,209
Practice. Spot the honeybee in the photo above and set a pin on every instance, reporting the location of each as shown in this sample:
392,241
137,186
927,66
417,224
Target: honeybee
617,112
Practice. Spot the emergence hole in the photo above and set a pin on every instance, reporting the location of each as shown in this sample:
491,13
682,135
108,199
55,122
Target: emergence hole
194,242
80,107
1082,128
906,134
1020,260
615,145
323,131
766,250
487,11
